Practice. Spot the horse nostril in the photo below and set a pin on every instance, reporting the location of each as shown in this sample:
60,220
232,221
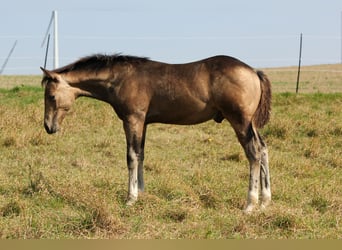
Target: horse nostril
48,130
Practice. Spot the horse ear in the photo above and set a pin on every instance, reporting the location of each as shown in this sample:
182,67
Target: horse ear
50,74
46,72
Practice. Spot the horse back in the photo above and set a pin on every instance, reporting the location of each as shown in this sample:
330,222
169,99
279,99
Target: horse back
193,92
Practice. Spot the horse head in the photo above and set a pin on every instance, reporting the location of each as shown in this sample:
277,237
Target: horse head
58,98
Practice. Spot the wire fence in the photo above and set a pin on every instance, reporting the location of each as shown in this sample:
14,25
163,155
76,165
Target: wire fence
281,50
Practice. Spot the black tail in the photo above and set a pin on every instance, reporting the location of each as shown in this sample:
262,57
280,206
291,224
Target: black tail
262,114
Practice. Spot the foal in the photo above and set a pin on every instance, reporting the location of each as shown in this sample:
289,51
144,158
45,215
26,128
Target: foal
142,91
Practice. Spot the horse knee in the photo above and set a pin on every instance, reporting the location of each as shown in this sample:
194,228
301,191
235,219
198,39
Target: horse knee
253,150
250,142
132,159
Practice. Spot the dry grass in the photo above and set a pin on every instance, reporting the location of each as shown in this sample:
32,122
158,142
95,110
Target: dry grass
11,81
74,184
318,78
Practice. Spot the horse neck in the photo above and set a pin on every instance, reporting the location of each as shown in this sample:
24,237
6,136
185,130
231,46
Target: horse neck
89,85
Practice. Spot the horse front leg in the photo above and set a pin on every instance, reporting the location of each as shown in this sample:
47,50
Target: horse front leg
134,130
132,164
141,185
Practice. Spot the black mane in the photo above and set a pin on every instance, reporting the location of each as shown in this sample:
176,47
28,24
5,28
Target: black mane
98,62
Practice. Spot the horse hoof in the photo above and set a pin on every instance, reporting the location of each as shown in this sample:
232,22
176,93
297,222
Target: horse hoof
131,201
249,209
264,205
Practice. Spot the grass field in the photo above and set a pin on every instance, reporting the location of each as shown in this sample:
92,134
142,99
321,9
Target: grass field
74,184
313,79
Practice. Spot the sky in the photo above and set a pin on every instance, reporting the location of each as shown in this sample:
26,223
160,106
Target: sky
262,33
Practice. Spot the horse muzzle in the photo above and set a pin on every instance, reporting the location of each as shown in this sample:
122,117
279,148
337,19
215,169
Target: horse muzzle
50,129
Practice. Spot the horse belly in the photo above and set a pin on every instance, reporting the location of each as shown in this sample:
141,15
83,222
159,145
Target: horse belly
180,113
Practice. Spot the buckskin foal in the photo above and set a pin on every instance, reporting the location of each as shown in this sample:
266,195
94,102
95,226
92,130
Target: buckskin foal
143,91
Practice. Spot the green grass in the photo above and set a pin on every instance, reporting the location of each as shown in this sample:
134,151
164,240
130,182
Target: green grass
74,184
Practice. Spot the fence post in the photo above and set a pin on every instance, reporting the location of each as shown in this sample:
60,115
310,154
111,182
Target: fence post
300,61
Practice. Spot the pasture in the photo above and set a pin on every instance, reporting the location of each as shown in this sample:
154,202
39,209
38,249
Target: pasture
74,184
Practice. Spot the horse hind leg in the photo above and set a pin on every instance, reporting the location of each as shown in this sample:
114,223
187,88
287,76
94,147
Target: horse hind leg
264,175
251,144
257,155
